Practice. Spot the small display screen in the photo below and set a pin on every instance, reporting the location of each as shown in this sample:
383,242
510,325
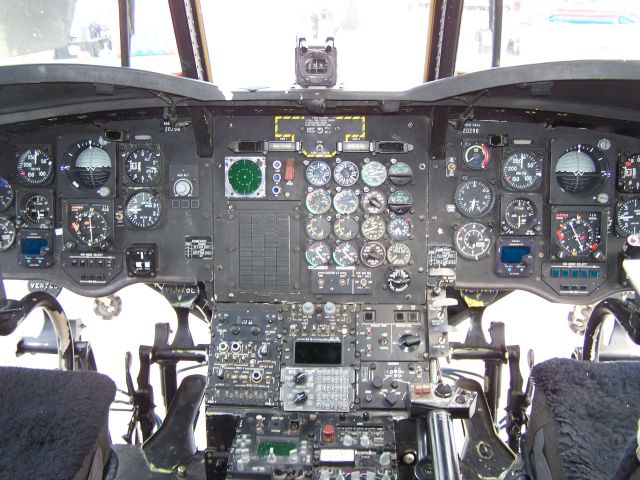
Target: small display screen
318,353
33,246
514,253
390,147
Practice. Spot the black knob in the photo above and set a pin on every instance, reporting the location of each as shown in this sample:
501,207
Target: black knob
377,382
391,398
255,330
409,341
444,391
300,378
235,329
300,398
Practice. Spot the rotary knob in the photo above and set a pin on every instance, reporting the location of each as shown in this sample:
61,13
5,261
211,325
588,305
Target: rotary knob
182,187
398,280
300,378
300,398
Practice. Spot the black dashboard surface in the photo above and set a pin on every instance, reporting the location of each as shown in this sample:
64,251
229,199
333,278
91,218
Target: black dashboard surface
328,199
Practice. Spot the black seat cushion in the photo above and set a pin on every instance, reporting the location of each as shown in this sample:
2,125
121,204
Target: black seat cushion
53,423
583,416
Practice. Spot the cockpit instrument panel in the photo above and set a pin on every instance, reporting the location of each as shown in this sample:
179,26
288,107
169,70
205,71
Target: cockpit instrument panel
309,205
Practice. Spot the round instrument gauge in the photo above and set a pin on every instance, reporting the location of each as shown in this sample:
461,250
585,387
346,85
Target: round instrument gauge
35,166
87,165
37,209
374,202
346,173
399,254
372,254
400,173
628,217
318,202
374,173
522,171
581,170
345,254
245,176
7,194
474,197
473,240
7,233
143,209
399,229
577,236
318,228
629,174
520,214
476,157
346,202
345,228
373,228
400,202
317,254
318,173
142,166
89,226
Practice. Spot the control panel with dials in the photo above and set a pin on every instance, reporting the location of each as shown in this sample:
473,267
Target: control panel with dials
320,207
77,205
548,209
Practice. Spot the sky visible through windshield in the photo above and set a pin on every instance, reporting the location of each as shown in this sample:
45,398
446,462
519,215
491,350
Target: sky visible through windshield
381,43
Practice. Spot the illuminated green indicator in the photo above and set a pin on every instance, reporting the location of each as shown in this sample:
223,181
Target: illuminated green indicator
245,176
280,449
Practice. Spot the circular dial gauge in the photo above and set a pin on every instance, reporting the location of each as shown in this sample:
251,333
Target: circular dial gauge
520,214
374,173
318,228
577,236
88,165
476,157
35,166
245,176
142,209
318,202
142,166
400,202
89,226
345,228
374,202
318,173
628,217
474,197
7,194
473,240
522,171
346,173
7,233
372,254
400,173
629,174
345,254
399,254
317,254
581,170
37,209
346,202
373,228
399,229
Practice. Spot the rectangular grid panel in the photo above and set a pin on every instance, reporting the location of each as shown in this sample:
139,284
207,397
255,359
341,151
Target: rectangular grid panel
264,252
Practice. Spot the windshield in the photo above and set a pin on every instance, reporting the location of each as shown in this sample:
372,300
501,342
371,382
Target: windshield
381,44
536,31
